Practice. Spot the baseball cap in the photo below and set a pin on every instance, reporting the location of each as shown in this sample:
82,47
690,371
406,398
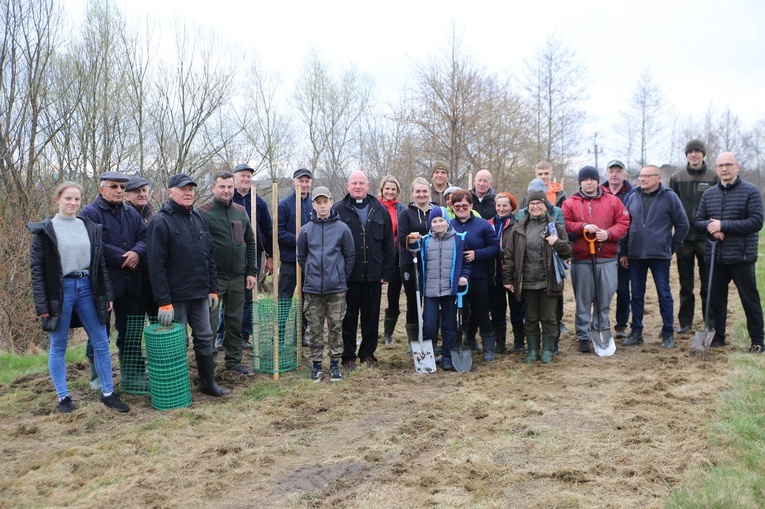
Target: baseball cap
320,191
302,172
616,162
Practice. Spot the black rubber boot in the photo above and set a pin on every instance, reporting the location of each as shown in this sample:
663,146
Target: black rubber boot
489,346
412,334
501,332
207,383
518,339
533,354
389,324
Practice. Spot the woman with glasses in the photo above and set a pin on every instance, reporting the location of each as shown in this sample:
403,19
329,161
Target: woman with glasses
528,272
413,220
481,249
72,289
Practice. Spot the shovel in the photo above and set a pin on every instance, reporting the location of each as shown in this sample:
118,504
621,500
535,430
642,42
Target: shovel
702,339
462,359
602,340
422,351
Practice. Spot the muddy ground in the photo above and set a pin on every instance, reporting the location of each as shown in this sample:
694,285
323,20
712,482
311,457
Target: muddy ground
583,432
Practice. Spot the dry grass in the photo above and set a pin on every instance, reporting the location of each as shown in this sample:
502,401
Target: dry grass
583,432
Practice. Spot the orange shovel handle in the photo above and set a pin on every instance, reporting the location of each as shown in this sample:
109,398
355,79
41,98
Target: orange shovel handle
591,240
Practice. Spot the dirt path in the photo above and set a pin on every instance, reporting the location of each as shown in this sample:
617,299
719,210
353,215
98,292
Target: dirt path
582,432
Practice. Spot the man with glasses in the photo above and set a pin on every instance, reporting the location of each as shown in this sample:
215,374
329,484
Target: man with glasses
657,229
124,248
731,212
689,184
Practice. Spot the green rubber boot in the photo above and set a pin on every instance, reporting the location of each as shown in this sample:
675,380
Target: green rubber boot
548,344
95,382
533,354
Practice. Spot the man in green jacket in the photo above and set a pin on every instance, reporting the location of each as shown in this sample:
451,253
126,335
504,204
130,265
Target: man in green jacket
236,261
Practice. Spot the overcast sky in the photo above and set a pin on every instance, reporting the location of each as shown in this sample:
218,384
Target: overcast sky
701,53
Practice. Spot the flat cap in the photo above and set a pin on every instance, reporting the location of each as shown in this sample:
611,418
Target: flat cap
114,176
135,183
180,180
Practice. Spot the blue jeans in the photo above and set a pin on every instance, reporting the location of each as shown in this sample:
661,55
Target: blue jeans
444,308
638,275
79,299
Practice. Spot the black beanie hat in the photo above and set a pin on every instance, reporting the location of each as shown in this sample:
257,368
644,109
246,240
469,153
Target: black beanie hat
588,172
696,145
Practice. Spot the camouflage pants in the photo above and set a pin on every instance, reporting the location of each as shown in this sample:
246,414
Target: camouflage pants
316,308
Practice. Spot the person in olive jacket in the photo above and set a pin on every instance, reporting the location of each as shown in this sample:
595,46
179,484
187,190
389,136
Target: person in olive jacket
370,225
181,257
235,262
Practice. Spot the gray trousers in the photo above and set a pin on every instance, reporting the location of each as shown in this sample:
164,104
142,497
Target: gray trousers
196,313
606,273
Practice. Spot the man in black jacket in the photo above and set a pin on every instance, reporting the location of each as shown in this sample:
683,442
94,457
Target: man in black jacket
124,250
731,212
689,184
370,225
183,273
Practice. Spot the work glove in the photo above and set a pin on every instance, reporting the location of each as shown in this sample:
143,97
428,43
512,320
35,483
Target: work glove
212,300
413,244
165,315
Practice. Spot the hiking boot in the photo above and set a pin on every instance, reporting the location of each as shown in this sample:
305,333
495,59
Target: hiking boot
369,361
113,402
241,369
316,373
584,345
65,406
349,364
446,364
756,348
684,329
636,338
717,342
246,345
668,341
334,373
621,333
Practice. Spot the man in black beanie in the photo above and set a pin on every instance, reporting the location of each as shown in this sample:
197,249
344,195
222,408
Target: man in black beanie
689,184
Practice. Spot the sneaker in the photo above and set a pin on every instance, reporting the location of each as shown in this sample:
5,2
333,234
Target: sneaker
219,343
756,348
621,333
241,369
65,406
113,402
334,373
316,374
349,364
636,338
668,342
562,327
584,345
683,329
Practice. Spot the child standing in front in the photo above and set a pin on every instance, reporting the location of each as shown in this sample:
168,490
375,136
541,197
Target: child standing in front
444,270
326,253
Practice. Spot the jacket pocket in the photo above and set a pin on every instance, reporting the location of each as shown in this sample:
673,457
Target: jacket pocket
237,232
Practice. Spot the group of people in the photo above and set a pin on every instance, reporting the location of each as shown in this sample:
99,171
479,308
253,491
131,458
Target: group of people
198,265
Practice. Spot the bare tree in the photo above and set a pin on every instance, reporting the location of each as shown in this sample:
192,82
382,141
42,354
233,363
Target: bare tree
642,122
553,80
331,111
266,127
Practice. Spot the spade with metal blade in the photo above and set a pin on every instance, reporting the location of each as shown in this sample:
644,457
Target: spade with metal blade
602,340
703,338
462,359
422,350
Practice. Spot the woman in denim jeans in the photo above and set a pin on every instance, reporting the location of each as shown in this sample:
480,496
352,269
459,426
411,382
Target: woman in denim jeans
72,289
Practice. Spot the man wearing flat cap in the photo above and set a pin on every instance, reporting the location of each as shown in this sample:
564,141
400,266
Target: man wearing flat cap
124,238
689,184
302,179
619,185
183,273
137,195
263,230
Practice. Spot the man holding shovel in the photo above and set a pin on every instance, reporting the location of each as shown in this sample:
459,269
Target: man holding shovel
732,213
600,216
657,229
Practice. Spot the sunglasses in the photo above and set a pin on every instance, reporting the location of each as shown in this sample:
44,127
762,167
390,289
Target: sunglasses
463,206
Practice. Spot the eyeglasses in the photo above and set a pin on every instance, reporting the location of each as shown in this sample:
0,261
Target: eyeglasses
463,206
115,186
643,177
726,165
